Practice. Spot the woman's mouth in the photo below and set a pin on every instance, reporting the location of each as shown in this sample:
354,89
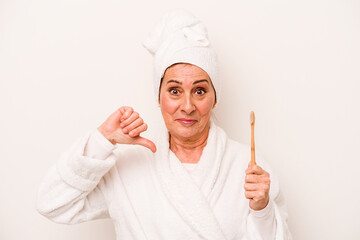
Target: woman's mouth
186,121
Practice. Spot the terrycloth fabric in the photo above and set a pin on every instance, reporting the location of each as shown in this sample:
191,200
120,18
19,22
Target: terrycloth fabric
180,37
152,196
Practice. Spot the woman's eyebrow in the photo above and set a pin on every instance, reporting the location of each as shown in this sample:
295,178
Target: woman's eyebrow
174,81
199,81
196,82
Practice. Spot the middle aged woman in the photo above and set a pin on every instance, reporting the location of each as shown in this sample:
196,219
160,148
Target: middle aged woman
195,182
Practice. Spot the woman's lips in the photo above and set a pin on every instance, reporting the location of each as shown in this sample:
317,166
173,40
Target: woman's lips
186,121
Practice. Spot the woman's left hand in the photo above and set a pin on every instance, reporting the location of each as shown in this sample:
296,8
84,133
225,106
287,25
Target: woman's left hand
257,186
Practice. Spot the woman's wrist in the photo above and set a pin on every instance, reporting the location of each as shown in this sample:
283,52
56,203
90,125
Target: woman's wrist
263,212
98,146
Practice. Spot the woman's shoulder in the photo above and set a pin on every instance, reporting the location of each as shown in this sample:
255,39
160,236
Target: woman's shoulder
240,147
132,155
238,150
233,145
132,151
244,150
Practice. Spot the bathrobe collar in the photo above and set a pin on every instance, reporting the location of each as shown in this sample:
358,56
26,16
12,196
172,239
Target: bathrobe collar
190,199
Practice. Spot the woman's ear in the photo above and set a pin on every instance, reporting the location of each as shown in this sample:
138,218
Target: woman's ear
161,80
214,105
214,93
215,102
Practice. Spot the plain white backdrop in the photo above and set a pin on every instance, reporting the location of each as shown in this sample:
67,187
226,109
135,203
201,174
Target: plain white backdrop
66,65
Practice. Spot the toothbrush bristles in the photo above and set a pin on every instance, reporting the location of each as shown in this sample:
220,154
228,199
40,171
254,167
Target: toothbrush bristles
252,117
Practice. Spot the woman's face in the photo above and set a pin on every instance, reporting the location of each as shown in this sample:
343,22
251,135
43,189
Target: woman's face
186,99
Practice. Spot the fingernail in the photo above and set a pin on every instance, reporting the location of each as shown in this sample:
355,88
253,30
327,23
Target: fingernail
125,130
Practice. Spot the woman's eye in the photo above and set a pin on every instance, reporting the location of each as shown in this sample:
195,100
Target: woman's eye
200,91
174,91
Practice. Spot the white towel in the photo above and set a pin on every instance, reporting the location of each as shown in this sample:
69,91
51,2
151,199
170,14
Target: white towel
181,37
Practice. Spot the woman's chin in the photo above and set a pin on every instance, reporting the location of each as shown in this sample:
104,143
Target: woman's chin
184,133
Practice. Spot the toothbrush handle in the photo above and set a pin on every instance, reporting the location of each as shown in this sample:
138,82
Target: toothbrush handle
252,146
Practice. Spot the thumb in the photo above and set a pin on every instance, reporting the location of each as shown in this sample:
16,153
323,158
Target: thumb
250,164
146,143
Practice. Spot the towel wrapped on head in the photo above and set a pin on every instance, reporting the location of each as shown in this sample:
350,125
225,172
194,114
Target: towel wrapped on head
179,37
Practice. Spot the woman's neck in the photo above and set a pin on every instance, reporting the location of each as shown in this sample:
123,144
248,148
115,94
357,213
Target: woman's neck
189,150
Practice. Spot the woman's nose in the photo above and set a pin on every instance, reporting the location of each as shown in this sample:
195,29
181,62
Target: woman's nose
187,105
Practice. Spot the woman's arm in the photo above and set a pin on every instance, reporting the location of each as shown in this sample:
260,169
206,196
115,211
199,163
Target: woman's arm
268,216
73,189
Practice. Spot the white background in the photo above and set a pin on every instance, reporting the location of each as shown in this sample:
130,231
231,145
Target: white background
66,65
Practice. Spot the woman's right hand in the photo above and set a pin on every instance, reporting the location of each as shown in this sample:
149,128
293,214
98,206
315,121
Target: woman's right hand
124,127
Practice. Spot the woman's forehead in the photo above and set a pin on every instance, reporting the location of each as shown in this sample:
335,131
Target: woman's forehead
185,72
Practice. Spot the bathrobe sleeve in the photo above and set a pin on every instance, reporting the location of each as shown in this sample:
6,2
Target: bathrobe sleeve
264,221
270,222
73,189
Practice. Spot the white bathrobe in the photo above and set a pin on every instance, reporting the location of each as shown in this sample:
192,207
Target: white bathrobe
153,196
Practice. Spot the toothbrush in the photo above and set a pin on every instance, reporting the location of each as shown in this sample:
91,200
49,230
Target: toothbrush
252,122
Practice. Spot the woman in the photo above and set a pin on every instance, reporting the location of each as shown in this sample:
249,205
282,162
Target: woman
195,182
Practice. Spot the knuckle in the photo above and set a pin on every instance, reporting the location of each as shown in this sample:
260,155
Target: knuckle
254,178
261,195
128,111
